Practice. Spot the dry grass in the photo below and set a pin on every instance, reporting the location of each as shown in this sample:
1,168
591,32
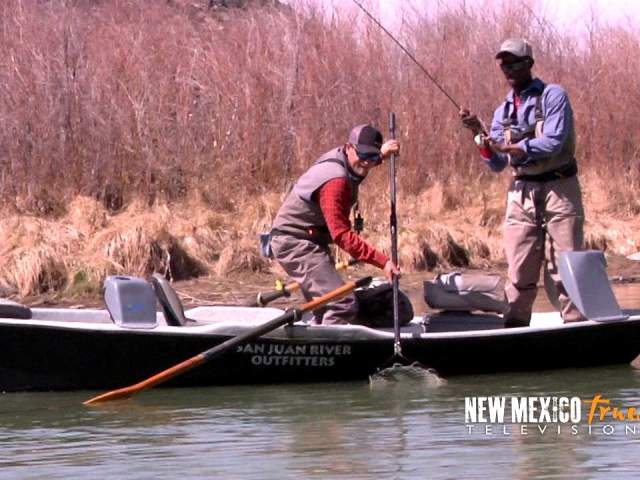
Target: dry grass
163,136
188,239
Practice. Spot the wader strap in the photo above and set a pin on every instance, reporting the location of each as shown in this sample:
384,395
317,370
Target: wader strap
539,205
539,116
508,120
506,123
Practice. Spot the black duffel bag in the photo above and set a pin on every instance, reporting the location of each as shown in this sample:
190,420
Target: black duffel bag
376,306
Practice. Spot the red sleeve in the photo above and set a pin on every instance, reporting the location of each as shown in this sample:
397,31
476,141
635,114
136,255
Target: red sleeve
334,198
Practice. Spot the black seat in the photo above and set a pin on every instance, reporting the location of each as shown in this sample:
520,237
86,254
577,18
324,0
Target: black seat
169,301
9,309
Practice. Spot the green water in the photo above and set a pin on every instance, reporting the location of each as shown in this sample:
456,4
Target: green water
312,431
349,430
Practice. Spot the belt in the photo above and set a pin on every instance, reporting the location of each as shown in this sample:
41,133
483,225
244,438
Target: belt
310,233
566,171
275,232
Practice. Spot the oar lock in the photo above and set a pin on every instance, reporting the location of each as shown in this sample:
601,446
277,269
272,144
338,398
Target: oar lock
297,315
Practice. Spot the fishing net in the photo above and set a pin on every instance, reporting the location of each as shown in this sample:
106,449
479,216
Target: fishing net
399,374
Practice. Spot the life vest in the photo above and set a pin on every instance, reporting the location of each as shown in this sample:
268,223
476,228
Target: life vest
300,215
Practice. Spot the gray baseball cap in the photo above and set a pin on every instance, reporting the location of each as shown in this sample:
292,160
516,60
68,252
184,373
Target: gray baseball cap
515,46
366,138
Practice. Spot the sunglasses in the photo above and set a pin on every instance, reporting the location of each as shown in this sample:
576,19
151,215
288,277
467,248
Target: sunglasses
369,157
514,67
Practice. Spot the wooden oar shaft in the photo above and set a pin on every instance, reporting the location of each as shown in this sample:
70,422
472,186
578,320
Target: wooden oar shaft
289,317
227,345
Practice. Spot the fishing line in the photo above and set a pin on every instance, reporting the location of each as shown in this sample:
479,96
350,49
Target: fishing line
403,48
483,128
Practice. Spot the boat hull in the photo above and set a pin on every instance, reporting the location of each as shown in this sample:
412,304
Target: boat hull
46,357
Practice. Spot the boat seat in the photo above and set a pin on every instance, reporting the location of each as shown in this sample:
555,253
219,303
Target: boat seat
130,301
584,277
9,309
169,301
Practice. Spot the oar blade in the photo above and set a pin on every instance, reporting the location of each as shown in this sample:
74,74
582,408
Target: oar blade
120,394
163,376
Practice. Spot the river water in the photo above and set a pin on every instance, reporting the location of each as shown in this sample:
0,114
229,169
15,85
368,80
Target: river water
350,430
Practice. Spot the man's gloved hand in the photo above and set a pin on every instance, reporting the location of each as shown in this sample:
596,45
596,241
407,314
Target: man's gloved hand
470,121
514,150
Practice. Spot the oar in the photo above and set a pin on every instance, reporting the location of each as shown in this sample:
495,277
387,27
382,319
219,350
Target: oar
265,298
229,345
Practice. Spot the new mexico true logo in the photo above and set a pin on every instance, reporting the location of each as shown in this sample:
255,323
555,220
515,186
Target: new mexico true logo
502,415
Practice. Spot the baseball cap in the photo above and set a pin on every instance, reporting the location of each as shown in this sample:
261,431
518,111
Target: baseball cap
366,138
515,46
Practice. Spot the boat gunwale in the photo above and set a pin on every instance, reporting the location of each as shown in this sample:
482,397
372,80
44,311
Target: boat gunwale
336,333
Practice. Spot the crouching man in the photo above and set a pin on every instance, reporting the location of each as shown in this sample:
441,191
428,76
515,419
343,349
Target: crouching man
315,214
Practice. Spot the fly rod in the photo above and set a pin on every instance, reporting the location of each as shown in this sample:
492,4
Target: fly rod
419,65
404,49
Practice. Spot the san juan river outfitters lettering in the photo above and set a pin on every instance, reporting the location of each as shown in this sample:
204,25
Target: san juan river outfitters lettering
319,355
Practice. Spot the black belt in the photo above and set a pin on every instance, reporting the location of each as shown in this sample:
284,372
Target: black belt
311,233
566,171
275,232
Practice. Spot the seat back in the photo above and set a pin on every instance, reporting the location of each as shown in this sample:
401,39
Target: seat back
130,301
169,301
584,277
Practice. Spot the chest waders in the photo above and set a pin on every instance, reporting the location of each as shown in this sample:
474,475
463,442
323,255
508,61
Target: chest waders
535,131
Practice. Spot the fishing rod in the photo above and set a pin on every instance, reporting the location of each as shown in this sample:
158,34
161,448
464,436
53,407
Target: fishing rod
420,66
404,49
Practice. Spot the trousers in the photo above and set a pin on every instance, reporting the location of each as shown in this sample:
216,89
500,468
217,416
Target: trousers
312,266
543,219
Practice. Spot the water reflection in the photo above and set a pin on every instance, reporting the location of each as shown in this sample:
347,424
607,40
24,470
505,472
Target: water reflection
311,431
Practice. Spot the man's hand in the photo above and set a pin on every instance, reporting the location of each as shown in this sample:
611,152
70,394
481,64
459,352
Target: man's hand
389,147
514,150
472,122
390,269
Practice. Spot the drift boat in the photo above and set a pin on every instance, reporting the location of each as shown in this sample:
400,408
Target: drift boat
70,349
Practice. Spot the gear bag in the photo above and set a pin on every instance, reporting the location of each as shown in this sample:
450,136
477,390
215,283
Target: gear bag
466,292
376,306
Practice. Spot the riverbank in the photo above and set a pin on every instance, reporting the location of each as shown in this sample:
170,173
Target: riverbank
446,227
69,256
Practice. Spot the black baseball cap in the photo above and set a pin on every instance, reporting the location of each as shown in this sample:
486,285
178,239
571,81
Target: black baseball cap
366,138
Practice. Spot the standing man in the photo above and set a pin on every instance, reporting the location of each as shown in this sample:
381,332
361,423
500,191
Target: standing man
533,133
315,214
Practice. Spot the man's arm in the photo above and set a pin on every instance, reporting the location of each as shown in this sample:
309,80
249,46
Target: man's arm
558,121
334,198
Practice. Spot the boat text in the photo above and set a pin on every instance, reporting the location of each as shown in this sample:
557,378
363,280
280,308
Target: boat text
316,355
